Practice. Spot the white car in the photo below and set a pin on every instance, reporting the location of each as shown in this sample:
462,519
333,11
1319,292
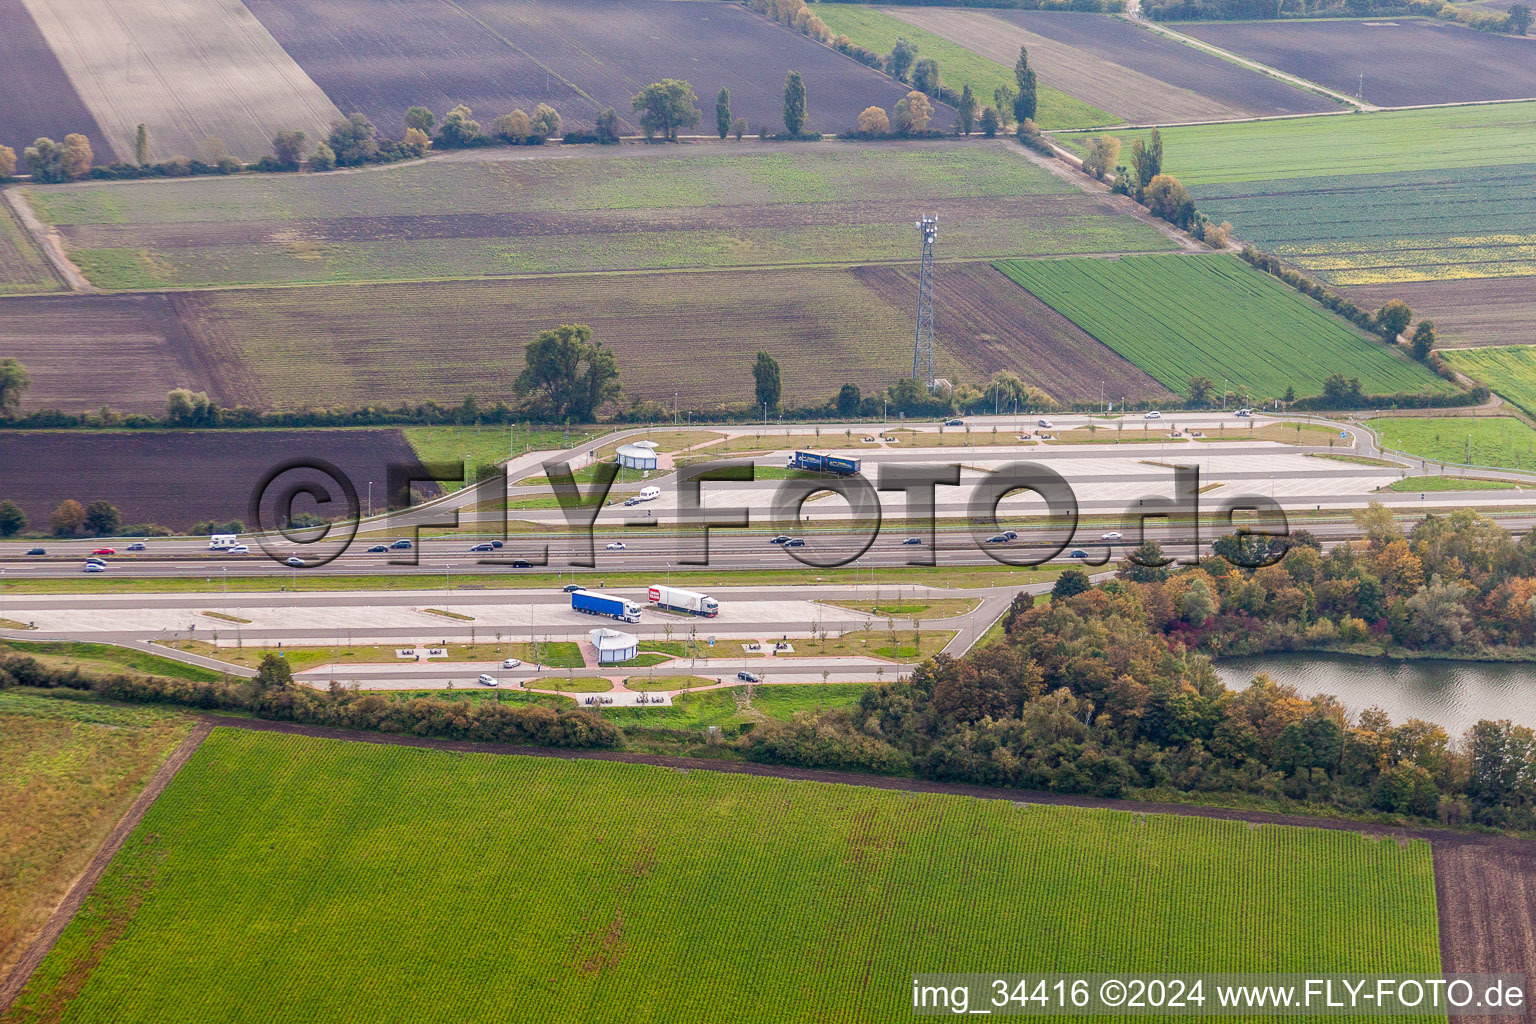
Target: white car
95,567
1046,424
487,680
239,549
1111,535
511,663
1245,413
1153,415
616,545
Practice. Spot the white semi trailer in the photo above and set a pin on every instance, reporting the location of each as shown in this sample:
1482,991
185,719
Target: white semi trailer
688,601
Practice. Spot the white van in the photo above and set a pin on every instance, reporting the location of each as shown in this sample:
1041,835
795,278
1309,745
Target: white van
223,541
650,493
1044,423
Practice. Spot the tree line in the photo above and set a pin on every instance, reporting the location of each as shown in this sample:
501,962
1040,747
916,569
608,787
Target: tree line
1515,21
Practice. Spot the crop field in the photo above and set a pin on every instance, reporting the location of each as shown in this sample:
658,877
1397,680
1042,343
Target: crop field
758,206
1406,61
71,770
1502,442
1179,317
86,351
1473,312
176,478
578,55
1510,370
879,29
989,325
601,886
23,269
1160,81
40,101
188,69
1439,138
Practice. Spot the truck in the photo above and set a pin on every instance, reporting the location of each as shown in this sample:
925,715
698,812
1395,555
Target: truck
689,601
592,603
818,463
223,541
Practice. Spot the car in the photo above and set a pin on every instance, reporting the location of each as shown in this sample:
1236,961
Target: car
615,545
520,563
573,588
1078,553
1011,534
378,549
401,545
487,680
137,545
749,677
631,502
294,562
105,551
954,423
1111,535
511,663
94,561
780,539
238,549
912,540
1153,415
1045,424
483,547
1245,413
794,542
95,567
496,544
869,440
37,551
997,538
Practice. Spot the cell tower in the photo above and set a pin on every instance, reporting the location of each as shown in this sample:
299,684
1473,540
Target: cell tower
922,346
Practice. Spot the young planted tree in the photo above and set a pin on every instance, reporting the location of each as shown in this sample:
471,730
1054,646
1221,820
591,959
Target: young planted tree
723,113
1024,103
739,128
769,386
666,107
1002,98
794,103
141,145
965,111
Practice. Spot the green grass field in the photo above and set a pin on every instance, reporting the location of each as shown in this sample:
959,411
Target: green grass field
106,658
23,269
1434,138
1179,317
957,65
1499,441
1447,483
299,879
1508,370
485,445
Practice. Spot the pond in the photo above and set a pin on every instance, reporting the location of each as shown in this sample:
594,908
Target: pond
1454,694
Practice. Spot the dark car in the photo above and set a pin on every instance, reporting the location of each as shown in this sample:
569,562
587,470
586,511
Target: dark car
954,423
780,539
1078,553
571,588
913,540
37,551
401,545
749,677
483,547
521,563
794,542
495,543
137,545
997,538
378,548
1010,534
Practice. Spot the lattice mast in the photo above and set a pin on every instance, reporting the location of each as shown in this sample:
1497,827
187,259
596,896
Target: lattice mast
922,346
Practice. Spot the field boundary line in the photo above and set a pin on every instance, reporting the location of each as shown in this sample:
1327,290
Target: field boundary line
47,239
65,913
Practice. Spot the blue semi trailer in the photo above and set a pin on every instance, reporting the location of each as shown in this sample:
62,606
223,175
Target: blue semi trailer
593,603
824,463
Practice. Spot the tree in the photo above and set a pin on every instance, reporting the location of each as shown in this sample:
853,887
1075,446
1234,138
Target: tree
141,145
76,156
459,128
723,113
513,128
273,673
67,518
546,121
913,112
322,159
1167,198
665,108
1103,151
183,406
7,162
1002,98
608,127
898,63
102,518
873,121
1200,390
739,128
417,141
765,372
51,161
354,141
1518,21
1069,584
1341,393
421,119
965,111
288,149
1392,319
567,374
14,380
1423,339
990,122
12,519
925,76
1145,564
794,103
848,399
1024,103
